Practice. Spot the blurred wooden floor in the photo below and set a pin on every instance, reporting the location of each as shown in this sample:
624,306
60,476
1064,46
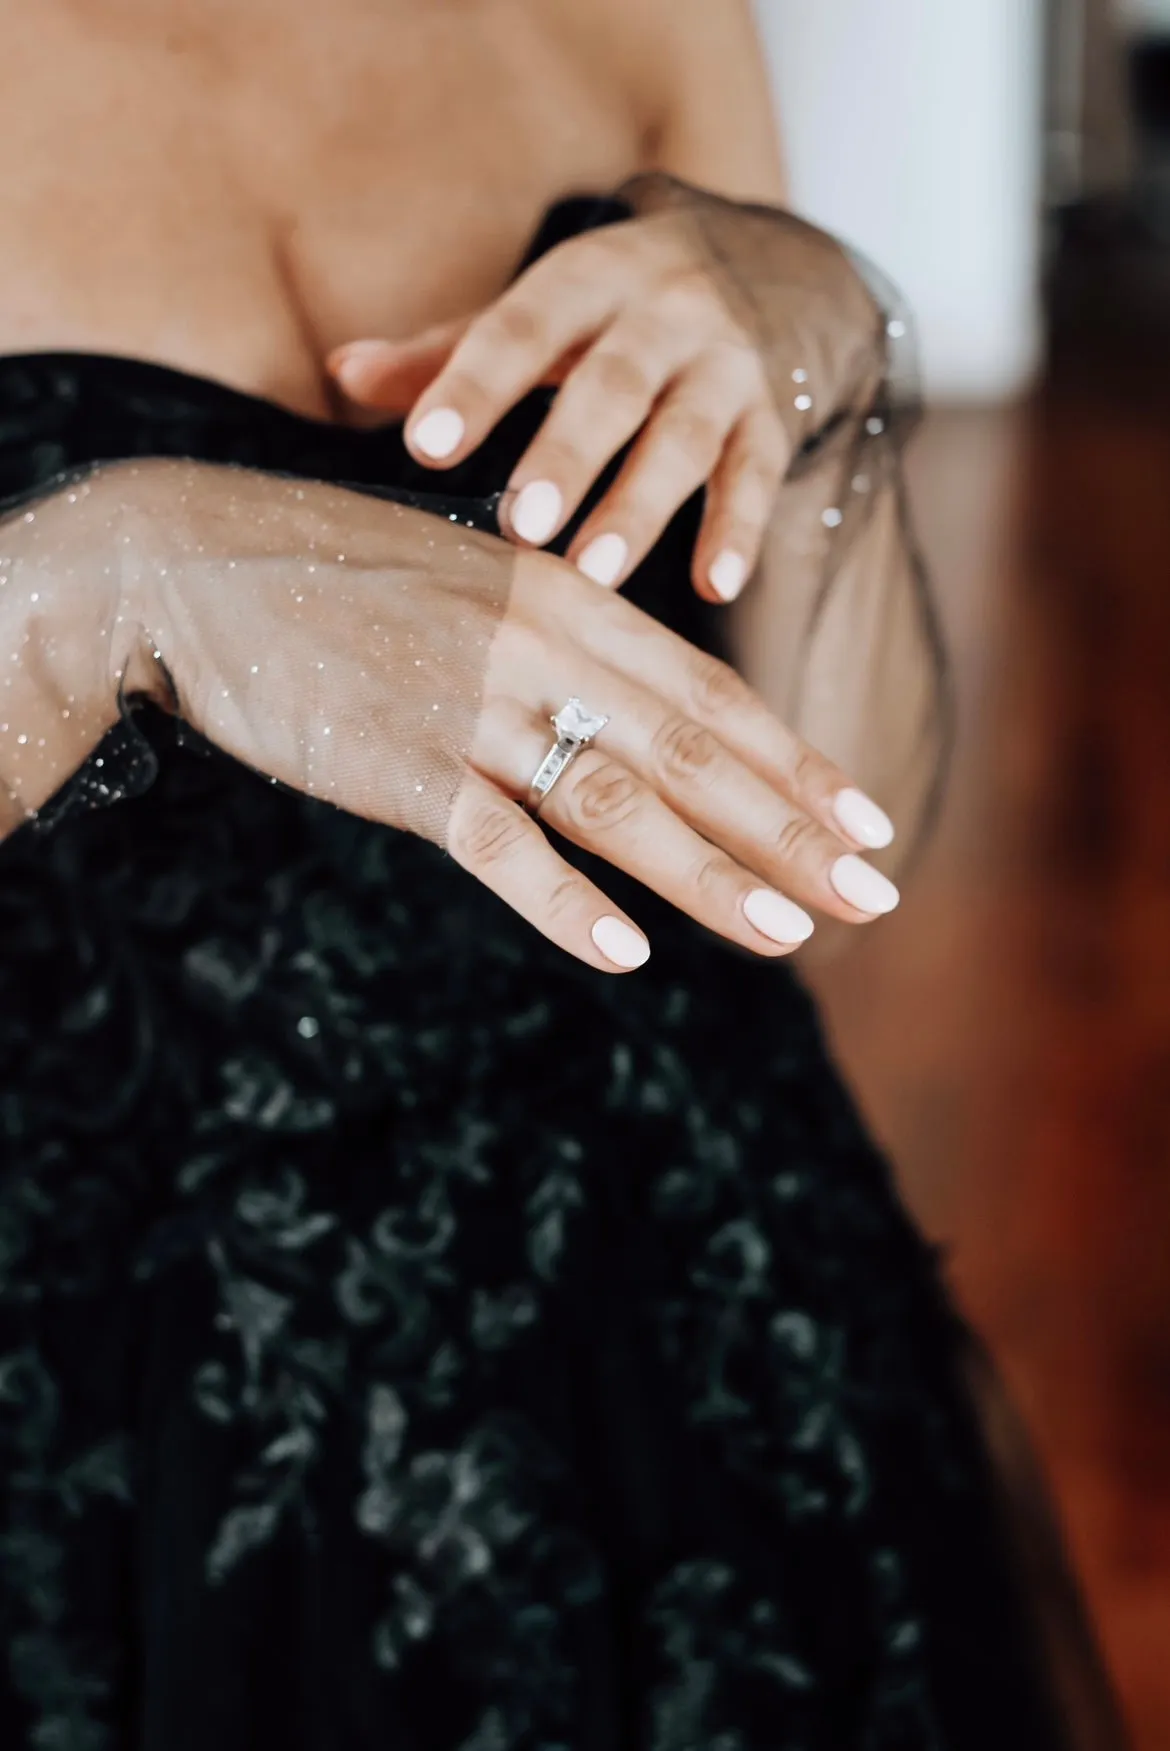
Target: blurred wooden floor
1009,1030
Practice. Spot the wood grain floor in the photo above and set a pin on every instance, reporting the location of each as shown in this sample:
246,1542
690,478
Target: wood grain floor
1009,1030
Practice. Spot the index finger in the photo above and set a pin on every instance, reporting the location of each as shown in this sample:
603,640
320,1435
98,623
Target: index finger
513,346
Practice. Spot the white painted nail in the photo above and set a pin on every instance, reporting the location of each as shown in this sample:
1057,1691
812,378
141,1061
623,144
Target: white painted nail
863,820
620,944
604,559
777,918
728,574
536,511
863,886
438,433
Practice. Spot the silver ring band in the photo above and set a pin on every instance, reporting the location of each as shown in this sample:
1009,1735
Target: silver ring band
576,727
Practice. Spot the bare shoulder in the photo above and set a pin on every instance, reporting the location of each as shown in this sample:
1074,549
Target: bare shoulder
694,74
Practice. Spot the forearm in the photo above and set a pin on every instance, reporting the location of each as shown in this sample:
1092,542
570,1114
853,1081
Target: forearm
64,644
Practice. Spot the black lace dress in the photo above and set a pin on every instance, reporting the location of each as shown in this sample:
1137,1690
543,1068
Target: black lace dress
410,1338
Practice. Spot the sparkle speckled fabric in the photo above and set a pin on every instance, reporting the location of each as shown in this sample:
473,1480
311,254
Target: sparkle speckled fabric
409,1338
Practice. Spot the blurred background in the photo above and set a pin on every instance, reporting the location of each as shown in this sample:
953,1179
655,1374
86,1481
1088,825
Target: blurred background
1008,161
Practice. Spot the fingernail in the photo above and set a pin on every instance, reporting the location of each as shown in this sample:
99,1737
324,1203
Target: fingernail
863,820
728,574
777,918
863,886
604,559
438,433
620,944
536,511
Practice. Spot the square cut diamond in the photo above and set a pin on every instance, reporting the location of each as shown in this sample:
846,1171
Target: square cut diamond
574,724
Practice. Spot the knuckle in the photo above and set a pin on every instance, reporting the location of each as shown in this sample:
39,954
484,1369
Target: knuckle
797,839
805,770
692,434
710,877
465,388
715,688
491,834
619,376
685,750
740,366
690,299
557,457
564,898
577,262
603,796
519,324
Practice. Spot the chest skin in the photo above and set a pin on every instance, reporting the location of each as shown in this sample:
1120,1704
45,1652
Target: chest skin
235,188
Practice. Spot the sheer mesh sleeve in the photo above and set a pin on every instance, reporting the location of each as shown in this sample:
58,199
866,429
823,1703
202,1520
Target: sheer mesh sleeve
839,628
332,640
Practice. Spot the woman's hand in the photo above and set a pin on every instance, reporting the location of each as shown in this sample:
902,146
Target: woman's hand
693,786
633,327
405,668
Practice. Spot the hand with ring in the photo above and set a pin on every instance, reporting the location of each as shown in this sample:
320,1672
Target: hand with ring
669,767
406,669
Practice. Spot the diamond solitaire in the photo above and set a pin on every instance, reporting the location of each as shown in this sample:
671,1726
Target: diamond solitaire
574,724
575,729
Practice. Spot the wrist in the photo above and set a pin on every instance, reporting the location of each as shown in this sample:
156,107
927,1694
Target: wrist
58,609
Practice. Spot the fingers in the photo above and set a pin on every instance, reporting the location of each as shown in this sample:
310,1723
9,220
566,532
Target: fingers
605,400
741,495
674,456
644,658
601,805
565,299
391,375
494,840
689,776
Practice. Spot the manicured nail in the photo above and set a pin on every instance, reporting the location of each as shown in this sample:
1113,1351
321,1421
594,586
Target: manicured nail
863,820
438,433
536,511
863,886
728,574
620,944
777,918
604,559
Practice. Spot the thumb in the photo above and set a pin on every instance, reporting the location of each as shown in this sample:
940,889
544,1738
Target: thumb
390,375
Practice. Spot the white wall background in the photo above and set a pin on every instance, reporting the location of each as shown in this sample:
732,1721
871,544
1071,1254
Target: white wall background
914,129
